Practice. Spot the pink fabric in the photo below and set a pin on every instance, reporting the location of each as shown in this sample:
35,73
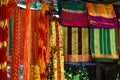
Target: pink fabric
74,19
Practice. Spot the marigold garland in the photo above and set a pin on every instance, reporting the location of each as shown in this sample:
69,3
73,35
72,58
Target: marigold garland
3,38
42,42
15,59
34,72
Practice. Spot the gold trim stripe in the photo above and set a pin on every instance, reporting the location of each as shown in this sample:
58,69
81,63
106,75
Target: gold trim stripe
3,44
73,11
4,65
111,56
4,23
3,2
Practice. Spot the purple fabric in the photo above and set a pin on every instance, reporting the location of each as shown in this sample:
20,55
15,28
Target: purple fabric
74,19
101,22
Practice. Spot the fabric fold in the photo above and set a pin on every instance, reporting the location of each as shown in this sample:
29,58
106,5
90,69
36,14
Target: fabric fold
101,15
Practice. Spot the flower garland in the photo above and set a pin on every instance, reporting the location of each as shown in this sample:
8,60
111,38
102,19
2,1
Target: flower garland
42,42
27,44
15,59
3,38
34,72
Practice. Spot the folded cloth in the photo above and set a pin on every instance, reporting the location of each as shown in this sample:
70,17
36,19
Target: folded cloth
104,43
74,14
102,15
76,44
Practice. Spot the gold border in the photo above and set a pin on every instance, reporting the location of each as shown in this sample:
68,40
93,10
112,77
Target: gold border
112,56
4,23
4,65
77,58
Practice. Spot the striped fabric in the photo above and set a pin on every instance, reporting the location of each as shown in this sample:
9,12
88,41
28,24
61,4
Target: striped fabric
76,44
102,15
74,14
104,43
57,60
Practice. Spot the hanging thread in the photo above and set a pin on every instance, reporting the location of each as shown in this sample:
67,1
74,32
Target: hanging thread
27,44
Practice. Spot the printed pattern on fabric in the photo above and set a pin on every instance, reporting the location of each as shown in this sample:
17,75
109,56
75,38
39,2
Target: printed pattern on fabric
104,43
3,39
74,14
102,15
57,58
76,44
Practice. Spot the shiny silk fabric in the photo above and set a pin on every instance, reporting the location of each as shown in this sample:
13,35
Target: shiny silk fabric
74,14
76,44
101,15
104,44
3,38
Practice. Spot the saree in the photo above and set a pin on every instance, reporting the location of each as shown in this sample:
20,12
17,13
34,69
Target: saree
102,15
56,44
76,44
104,43
74,13
3,39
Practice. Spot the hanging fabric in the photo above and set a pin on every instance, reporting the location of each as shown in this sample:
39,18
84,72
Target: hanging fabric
102,15
27,43
15,58
104,44
3,38
117,11
74,13
76,44
43,38
57,58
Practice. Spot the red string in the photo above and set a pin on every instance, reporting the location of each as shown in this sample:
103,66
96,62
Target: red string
27,45
15,59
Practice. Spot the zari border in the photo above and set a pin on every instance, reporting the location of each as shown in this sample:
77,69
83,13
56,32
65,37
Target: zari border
4,23
110,56
3,2
77,58
3,65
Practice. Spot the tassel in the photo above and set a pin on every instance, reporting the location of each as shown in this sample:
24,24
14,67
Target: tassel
15,58
27,44
42,42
